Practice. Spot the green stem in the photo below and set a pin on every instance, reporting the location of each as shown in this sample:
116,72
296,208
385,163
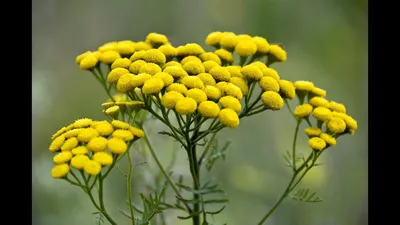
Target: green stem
129,188
294,143
208,147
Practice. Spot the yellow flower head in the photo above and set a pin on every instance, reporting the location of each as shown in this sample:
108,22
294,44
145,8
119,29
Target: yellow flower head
125,48
228,41
269,84
331,141
241,84
337,107
303,111
60,171
209,109
208,65
58,133
165,77
287,89
178,88
224,55
138,55
79,161
278,53
104,128
262,45
322,114
125,83
154,56
197,94
210,56
170,98
57,143
190,49
121,63
317,143
150,68
142,46
272,100
192,82
80,150
112,112
351,123
120,124
172,63
97,144
88,62
70,143
186,106
260,65
318,92
125,135
207,79
193,67
169,51
312,132
232,90
221,86
302,85
235,71
220,73
190,58
87,134
152,86
175,71
81,123
79,58
138,80
117,146
212,92
92,167
252,72
109,46
214,38
319,101
156,39
136,65
244,37
62,157
230,103
229,118
109,57
245,48
72,133
137,133
269,72
103,158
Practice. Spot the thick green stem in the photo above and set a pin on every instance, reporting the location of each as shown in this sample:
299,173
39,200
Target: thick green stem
296,132
129,188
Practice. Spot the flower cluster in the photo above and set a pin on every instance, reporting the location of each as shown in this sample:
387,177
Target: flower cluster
89,145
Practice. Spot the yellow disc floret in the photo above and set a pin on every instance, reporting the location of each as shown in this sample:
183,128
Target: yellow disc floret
117,146
229,118
245,48
331,141
197,94
317,143
62,157
186,106
272,100
103,158
252,72
287,89
319,101
312,132
69,144
125,135
209,109
60,171
79,161
303,111
92,167
322,114
231,103
152,86
97,144
269,84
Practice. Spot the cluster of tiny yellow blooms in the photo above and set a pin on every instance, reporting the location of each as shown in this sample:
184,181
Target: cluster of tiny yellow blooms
331,116
90,145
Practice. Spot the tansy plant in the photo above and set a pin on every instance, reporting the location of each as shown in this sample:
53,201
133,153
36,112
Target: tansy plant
195,93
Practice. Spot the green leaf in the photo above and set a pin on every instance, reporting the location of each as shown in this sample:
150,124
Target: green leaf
305,195
216,154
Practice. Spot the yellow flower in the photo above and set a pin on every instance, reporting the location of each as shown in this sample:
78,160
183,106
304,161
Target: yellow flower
81,123
72,133
331,141
351,123
337,107
322,114
209,109
136,132
108,57
165,77
235,71
241,84
150,68
319,101
103,158
224,55
208,65
117,146
136,65
154,56
138,80
286,89
88,62
278,53
69,144
190,58
79,161
312,131
125,135
260,65
302,85
272,100
170,98
212,92
112,112
190,49
80,150
138,55
104,128
318,92
206,78
221,86
229,118
230,103
178,88
125,83
57,143
120,124
168,50
228,41
142,46
192,82
269,84
269,72
197,94
220,73
79,58
262,45
245,48
252,72
210,56
87,134
156,39
125,48
109,46
193,67
214,38
317,143
62,157
58,133
60,171
244,37
172,63
92,167
97,144
152,86
175,71
186,106
303,111
232,90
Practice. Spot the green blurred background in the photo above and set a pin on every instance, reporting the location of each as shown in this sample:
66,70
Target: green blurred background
326,41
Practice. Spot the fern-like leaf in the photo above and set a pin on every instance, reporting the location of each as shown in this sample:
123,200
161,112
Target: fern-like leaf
305,195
